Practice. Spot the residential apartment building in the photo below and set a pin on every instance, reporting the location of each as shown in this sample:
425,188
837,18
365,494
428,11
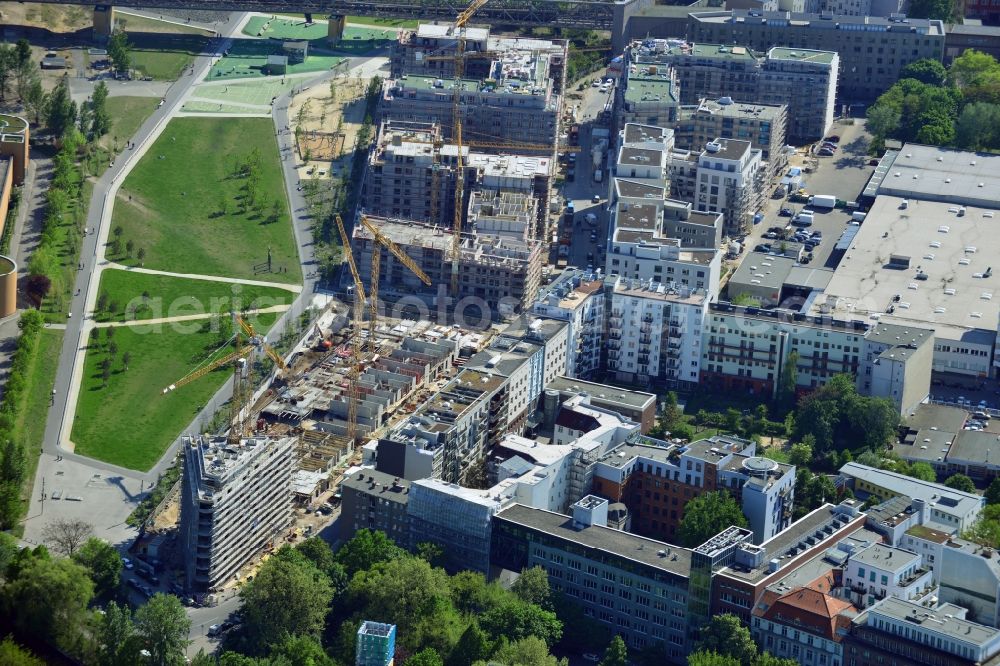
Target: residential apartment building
236,498
901,633
637,406
374,500
763,125
655,480
951,508
577,297
879,571
731,180
803,80
872,50
501,271
654,332
648,95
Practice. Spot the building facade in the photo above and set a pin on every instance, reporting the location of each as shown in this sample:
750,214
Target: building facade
577,297
763,125
235,500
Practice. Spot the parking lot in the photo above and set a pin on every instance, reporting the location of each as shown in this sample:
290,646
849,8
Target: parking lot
843,175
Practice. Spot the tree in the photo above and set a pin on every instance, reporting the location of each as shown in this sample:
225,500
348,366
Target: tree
532,586
116,637
992,493
788,381
976,127
515,620
100,123
707,515
284,599
426,657
922,471
304,650
67,535
525,651
8,61
37,287
768,659
961,482
141,255
368,547
47,599
126,357
34,98
616,654
801,454
882,121
925,70
931,9
12,654
103,562
431,552
727,636
120,51
163,626
471,647
60,111
812,491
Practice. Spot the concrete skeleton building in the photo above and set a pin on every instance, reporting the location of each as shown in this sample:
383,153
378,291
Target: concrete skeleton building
803,80
500,270
235,499
763,125
412,173
872,50
514,97
678,473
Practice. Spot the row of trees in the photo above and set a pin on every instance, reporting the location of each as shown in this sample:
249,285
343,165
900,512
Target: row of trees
13,457
958,106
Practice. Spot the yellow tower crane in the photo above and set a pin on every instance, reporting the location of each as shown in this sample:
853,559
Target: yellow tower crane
387,243
354,373
239,412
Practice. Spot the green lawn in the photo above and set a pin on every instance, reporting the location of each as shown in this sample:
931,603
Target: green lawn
164,56
172,203
127,116
247,57
170,296
130,422
388,23
29,427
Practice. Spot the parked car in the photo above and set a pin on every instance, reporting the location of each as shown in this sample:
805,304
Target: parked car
786,212
825,153
771,234
596,198
873,162
833,138
214,630
127,563
591,657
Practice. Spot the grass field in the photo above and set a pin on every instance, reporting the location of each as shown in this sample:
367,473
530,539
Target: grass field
366,20
127,116
130,422
258,93
181,204
156,296
202,106
30,425
164,56
64,235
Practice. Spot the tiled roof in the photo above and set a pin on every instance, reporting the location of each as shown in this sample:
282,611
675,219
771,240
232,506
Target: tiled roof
809,610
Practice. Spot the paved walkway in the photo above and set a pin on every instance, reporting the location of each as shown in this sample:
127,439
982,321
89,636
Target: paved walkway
107,265
180,318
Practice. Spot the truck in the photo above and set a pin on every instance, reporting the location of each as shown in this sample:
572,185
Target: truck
823,201
598,175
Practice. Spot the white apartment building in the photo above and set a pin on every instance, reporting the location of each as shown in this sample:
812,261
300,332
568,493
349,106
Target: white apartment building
654,332
235,499
577,297
730,180
897,362
881,571
970,577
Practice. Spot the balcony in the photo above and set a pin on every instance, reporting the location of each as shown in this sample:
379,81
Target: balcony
645,340
648,318
674,332
615,334
645,328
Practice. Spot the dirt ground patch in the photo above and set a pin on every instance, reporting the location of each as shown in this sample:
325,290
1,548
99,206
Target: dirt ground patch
56,18
326,119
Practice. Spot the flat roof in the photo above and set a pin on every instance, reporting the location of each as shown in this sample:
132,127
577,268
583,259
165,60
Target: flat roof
659,291
802,55
384,486
603,392
943,620
926,444
942,174
628,546
811,278
721,51
942,417
729,149
732,109
884,557
945,499
829,22
764,271
639,133
976,446
895,245
637,189
640,156
928,534
649,88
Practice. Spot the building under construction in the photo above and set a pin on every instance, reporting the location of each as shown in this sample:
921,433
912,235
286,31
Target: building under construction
501,270
511,87
412,173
